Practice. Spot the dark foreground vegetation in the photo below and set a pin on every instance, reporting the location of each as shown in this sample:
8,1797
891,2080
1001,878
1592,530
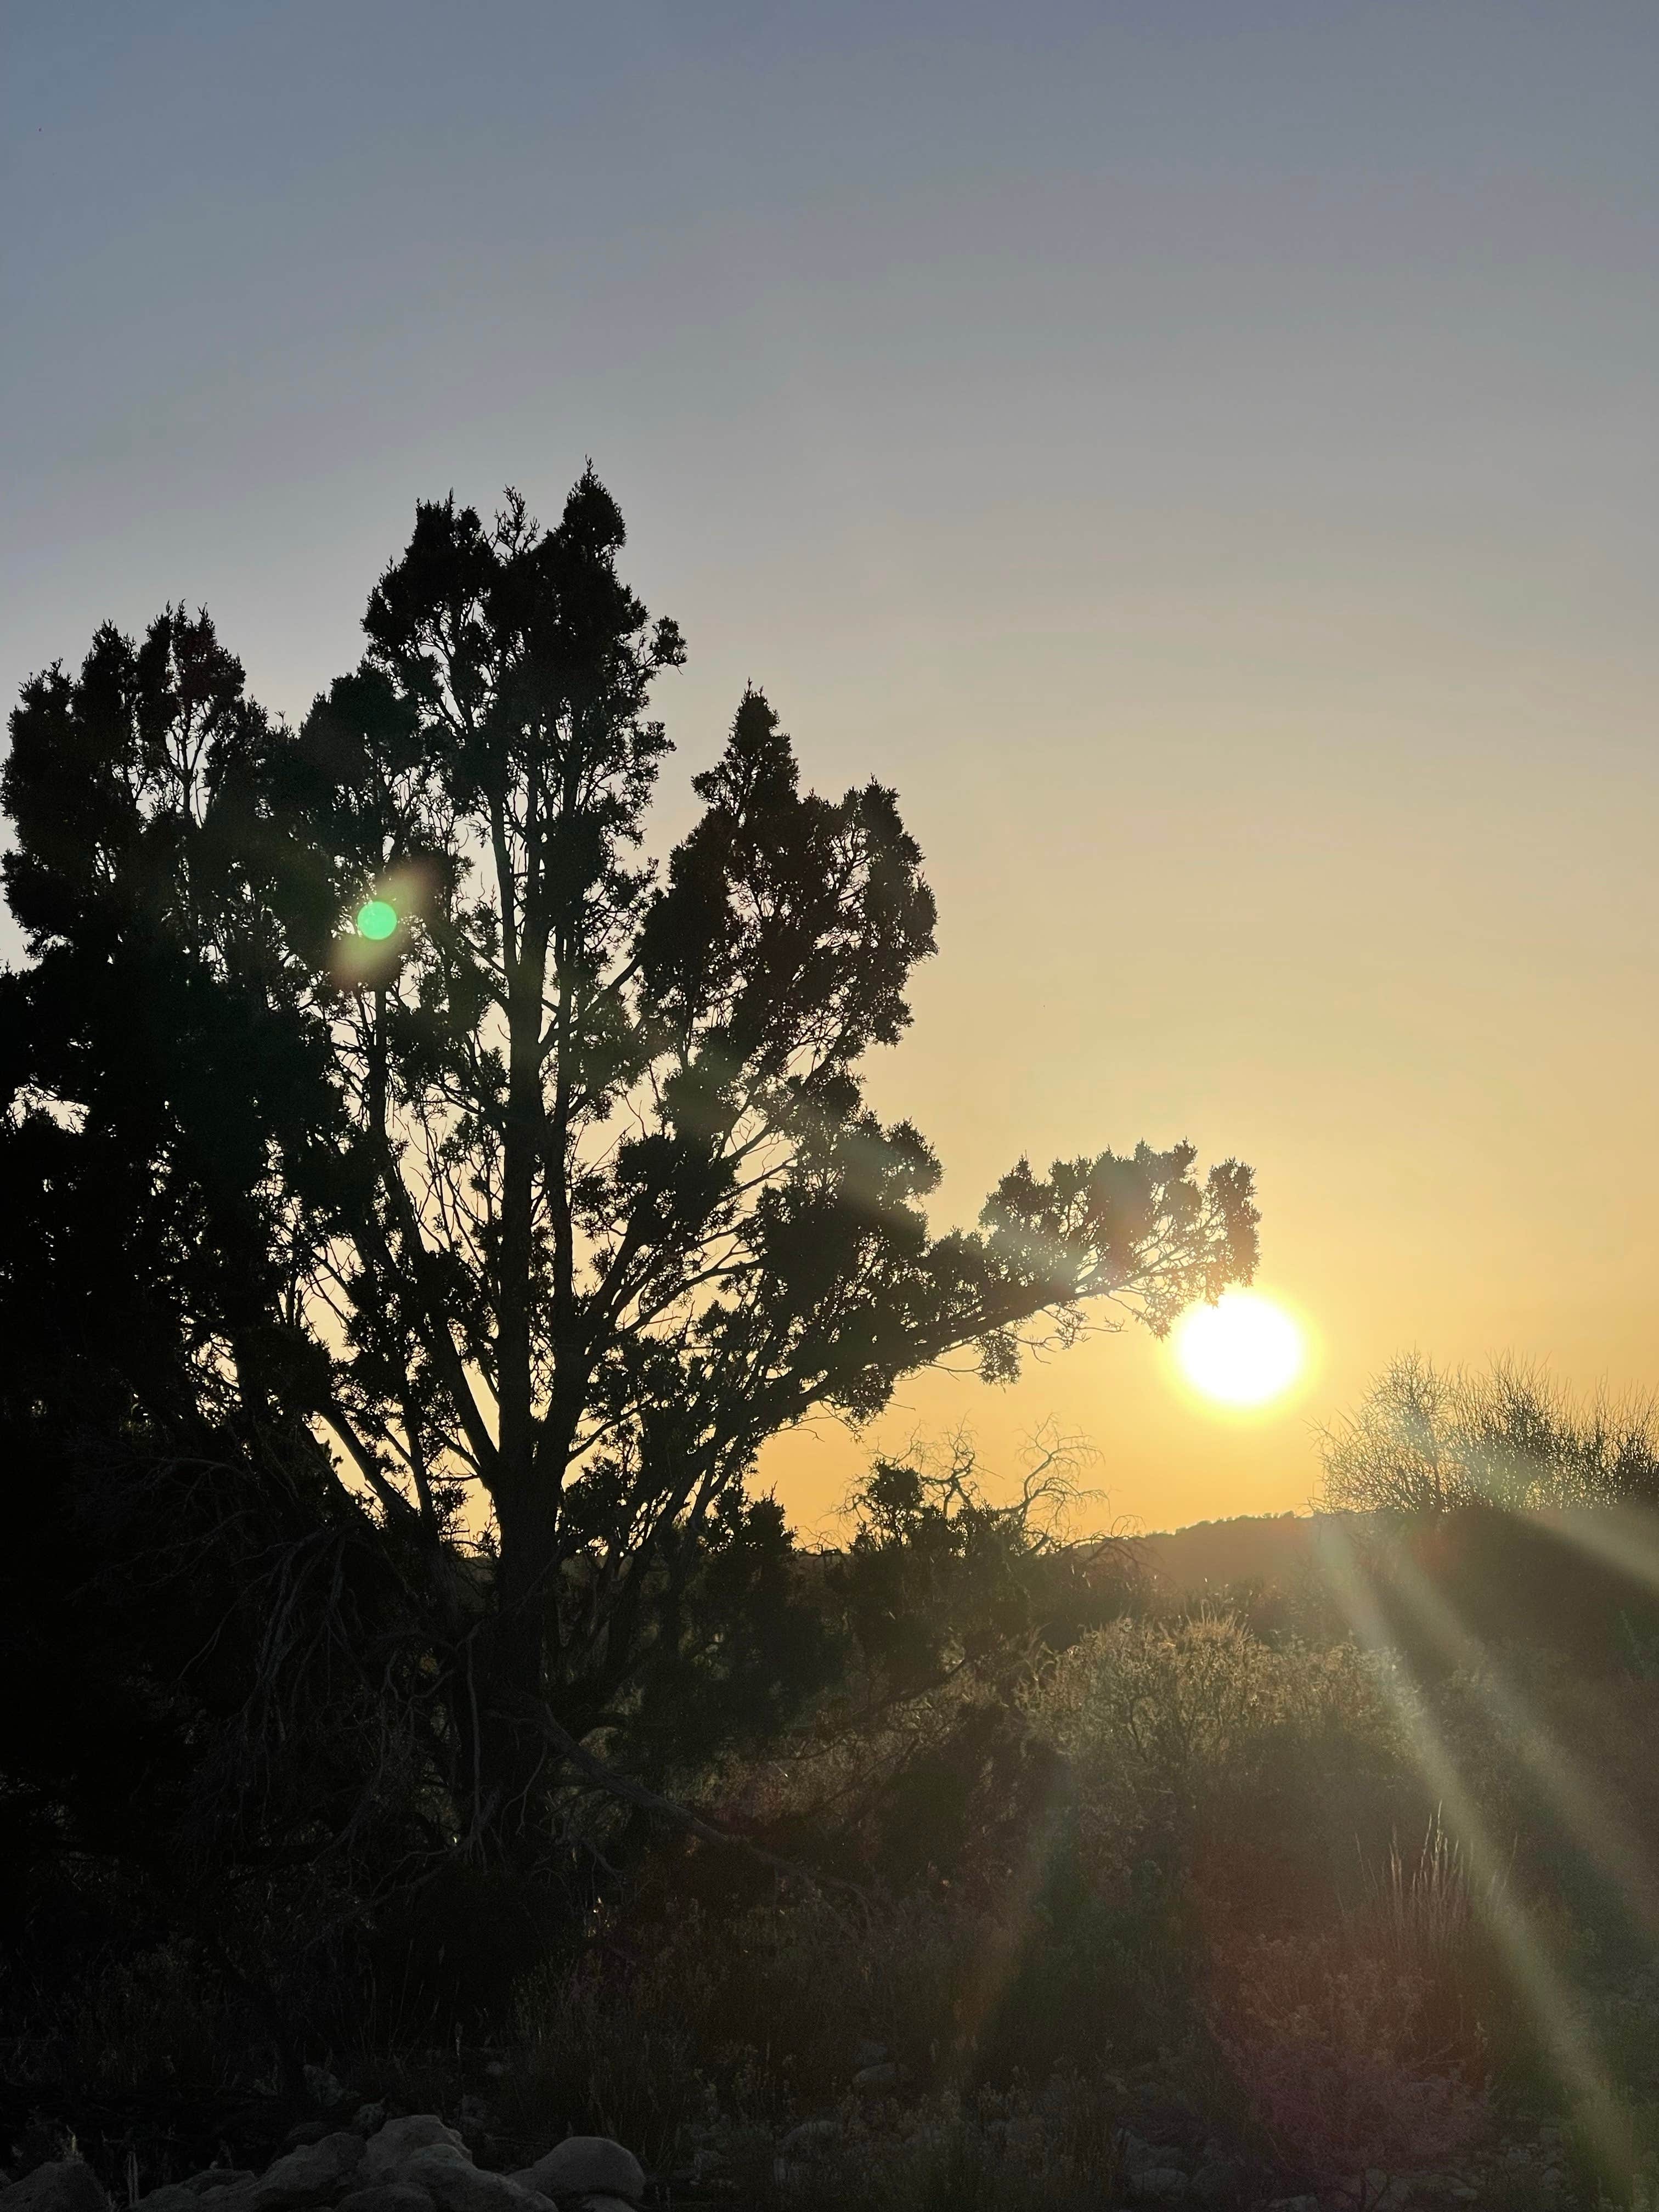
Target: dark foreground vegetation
1054,1896
411,1701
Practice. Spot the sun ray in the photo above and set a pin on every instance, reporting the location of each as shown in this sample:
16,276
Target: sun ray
1587,1812
1539,1981
1626,1537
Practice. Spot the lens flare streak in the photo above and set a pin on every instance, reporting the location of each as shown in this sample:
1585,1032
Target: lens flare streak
1537,1980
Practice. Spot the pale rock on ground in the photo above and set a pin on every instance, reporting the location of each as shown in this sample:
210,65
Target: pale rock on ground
455,2184
806,2149
585,2166
400,2139
316,2173
1159,2184
63,2184
885,2074
1220,2181
398,2196
417,2164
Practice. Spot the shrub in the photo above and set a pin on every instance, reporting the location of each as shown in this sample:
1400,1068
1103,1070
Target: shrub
1242,1767
1361,2046
1326,2046
1426,1439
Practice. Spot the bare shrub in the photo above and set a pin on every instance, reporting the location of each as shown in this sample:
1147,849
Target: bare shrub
1427,1439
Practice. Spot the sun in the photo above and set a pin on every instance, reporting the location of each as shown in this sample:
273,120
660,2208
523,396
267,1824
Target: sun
1243,1351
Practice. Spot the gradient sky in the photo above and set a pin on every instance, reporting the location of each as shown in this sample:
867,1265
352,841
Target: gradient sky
1203,455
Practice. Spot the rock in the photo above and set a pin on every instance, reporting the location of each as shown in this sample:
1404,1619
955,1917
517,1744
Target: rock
1163,2115
1137,2155
387,2196
368,2119
400,2139
432,2158
303,2132
171,2197
219,2177
1219,2180
883,2075
813,2139
455,2184
1382,2192
803,2152
62,2185
316,2173
585,2166
326,2091
1159,2184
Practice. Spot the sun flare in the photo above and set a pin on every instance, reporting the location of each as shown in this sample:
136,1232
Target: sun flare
1243,1351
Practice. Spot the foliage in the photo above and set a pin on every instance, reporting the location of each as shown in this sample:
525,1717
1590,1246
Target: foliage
538,1217
1169,1901
1197,1750
1326,2044
936,1577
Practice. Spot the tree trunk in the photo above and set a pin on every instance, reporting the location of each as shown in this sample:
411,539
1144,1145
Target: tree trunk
516,1767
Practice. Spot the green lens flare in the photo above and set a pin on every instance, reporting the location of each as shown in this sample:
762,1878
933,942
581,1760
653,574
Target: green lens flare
378,918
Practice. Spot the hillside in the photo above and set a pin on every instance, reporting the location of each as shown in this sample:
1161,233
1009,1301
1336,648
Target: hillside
1271,1548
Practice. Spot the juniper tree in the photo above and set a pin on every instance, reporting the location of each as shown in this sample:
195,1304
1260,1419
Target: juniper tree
449,1143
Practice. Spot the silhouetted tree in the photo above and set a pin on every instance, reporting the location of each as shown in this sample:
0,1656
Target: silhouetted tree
550,1183
938,1580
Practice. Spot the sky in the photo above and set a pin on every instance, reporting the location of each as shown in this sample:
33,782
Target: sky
1201,452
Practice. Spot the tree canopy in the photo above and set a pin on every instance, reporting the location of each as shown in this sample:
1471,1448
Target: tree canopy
536,1202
